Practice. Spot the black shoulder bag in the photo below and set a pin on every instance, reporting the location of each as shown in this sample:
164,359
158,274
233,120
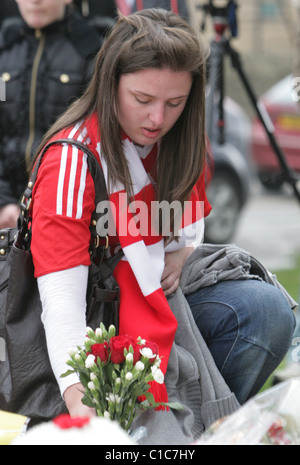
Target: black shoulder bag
27,383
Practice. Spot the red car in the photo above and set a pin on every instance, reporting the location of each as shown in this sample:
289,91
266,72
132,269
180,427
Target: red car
284,110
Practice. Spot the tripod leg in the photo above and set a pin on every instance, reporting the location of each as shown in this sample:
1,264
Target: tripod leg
216,88
221,120
289,174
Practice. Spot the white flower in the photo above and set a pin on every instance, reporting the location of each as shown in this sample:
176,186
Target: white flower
72,351
158,375
146,352
113,398
157,361
106,415
112,331
139,366
128,376
77,358
93,377
118,380
99,332
129,357
91,386
90,362
90,332
88,342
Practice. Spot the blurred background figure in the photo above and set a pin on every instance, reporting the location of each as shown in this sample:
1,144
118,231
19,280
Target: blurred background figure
125,6
177,6
92,8
46,59
88,8
101,14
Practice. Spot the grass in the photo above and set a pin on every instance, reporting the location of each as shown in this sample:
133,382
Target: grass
290,279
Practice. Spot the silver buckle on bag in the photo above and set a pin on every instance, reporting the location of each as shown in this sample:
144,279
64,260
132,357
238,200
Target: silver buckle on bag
97,242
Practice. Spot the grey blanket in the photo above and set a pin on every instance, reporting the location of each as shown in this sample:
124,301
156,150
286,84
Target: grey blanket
192,377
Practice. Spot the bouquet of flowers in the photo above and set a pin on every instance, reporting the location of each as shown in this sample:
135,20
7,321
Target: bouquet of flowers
115,372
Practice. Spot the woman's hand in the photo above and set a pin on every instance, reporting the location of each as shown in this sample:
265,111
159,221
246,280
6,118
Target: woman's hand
9,216
174,262
73,396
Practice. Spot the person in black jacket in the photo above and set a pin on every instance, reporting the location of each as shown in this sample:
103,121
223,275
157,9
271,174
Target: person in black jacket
104,9
46,63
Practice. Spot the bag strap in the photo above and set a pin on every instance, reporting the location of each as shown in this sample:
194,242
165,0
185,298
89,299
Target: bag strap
23,239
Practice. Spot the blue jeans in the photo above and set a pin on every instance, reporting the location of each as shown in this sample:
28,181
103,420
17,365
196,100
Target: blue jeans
248,327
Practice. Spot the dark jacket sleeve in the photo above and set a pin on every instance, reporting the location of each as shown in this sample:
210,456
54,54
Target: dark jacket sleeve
7,195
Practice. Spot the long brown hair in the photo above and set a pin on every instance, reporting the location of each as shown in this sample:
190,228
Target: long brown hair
152,38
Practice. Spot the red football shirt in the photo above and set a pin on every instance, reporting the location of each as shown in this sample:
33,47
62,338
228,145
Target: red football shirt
64,200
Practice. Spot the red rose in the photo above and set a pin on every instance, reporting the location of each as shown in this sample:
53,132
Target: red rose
119,343
101,351
64,421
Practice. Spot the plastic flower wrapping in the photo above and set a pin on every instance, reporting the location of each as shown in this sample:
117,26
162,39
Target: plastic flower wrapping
11,426
115,372
271,418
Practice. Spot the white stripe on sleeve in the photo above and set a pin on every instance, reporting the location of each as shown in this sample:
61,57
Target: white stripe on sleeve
73,174
71,189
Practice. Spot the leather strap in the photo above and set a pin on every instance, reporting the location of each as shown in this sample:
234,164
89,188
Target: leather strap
24,223
93,163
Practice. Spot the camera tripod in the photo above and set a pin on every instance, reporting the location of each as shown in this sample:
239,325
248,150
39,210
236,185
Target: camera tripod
225,18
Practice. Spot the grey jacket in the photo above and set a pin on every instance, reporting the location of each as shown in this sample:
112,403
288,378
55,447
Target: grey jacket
213,263
192,377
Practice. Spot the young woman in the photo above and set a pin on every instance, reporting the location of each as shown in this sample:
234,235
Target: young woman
143,117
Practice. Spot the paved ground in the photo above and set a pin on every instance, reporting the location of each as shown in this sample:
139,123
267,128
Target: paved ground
269,228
